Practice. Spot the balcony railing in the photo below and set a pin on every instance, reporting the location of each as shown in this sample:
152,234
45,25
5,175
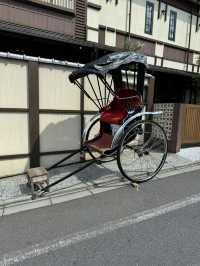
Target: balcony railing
69,4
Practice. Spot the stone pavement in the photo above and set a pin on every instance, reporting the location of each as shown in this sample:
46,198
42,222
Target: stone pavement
15,195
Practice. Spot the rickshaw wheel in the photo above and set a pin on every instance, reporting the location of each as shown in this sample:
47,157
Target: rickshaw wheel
142,151
93,131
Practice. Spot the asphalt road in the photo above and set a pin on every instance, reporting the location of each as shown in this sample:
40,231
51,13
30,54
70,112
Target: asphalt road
157,225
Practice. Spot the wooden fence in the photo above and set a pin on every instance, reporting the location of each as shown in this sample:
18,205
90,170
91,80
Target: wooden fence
181,123
191,124
41,114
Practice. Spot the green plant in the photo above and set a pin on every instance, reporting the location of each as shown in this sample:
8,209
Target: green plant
133,46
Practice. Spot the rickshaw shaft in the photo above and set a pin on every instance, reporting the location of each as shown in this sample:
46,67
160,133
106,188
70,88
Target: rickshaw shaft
45,189
66,158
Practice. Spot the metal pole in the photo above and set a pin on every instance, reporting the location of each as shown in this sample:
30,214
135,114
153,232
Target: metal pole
189,41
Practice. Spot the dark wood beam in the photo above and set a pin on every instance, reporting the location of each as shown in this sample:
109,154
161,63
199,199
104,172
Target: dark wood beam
33,85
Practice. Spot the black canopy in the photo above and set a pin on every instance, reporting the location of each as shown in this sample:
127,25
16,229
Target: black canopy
108,63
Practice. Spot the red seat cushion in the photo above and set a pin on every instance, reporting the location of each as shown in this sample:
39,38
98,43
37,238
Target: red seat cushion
118,109
113,117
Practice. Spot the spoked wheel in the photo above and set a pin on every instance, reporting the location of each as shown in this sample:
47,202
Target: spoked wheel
92,133
142,151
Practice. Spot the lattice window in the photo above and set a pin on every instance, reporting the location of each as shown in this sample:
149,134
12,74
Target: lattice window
61,3
149,18
166,118
172,25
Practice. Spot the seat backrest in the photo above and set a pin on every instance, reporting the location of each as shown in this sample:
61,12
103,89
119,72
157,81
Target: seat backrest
126,100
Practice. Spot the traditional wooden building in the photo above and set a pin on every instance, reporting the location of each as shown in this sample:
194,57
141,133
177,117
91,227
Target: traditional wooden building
42,115
168,32
51,28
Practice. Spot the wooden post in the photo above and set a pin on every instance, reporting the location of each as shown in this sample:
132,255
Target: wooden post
150,94
33,85
174,144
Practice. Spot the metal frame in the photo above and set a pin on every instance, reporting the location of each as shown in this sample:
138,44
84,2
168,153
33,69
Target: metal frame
84,148
139,73
58,164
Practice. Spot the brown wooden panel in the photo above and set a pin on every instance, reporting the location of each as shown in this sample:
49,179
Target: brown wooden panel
80,24
190,58
33,83
120,40
148,47
102,36
175,54
174,144
191,124
21,13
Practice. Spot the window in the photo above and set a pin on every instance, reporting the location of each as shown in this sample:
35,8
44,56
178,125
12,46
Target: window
60,3
116,1
149,18
172,26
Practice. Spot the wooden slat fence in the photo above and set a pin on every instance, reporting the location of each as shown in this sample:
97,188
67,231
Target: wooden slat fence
191,124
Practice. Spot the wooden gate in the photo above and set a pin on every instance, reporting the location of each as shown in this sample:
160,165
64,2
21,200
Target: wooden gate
191,124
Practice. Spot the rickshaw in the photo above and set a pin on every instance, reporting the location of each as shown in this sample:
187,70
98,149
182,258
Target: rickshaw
121,129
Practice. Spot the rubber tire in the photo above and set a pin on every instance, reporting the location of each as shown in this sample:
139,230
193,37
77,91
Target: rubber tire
161,163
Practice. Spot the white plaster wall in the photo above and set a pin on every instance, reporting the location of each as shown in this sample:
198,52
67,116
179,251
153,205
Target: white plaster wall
160,27
138,17
11,167
159,62
195,36
159,50
175,65
195,58
182,27
55,89
93,17
150,60
114,16
13,133
48,160
110,38
92,35
13,84
59,132
190,68
195,69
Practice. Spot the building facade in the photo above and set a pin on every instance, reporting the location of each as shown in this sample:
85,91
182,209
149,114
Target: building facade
49,28
41,114
167,31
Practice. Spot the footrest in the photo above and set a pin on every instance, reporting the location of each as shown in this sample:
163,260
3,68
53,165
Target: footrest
101,144
37,178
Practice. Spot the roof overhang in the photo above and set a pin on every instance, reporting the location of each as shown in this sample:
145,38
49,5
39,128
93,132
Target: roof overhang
172,71
197,2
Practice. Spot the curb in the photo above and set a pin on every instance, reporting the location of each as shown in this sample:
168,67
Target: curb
25,203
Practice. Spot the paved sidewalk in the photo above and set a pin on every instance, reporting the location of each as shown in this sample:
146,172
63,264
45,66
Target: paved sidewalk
15,195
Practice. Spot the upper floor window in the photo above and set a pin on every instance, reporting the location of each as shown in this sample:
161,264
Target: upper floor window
116,1
60,3
172,25
149,18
